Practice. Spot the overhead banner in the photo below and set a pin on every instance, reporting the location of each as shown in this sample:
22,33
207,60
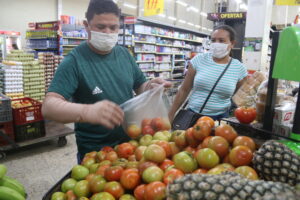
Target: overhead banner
226,16
288,2
153,7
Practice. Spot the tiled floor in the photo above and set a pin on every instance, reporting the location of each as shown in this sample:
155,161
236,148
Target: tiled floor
40,166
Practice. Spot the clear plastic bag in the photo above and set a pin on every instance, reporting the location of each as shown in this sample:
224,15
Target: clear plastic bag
147,109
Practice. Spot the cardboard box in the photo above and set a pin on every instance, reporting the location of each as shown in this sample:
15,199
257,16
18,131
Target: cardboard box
282,129
284,115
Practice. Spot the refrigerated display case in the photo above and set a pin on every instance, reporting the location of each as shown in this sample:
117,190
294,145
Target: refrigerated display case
9,40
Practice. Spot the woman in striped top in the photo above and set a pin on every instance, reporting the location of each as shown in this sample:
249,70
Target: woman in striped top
203,72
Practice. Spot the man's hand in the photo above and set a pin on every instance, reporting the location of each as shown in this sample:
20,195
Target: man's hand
156,82
105,113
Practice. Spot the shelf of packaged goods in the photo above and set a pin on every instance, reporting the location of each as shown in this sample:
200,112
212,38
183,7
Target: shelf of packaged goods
165,36
153,70
127,34
158,62
183,47
170,37
144,61
40,38
144,42
179,60
75,38
164,53
177,53
164,45
70,45
178,67
148,52
45,48
146,34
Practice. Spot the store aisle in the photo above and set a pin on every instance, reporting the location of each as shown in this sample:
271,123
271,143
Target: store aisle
40,166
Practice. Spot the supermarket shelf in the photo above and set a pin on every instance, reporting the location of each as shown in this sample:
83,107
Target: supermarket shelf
163,53
163,62
127,34
153,70
164,45
39,38
70,45
75,38
169,37
144,42
179,60
178,53
150,52
144,61
178,67
165,36
183,47
146,34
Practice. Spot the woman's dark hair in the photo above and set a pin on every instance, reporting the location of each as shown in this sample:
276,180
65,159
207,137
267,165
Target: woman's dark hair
229,29
97,7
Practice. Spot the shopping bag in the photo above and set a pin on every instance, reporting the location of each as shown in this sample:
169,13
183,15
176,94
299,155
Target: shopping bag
146,113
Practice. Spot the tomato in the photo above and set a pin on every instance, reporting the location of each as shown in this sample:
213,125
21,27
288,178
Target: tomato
100,156
152,174
81,189
155,191
105,162
244,141
207,119
174,148
134,143
204,144
114,188
245,115
102,196
240,156
180,139
219,145
166,124
146,122
120,162
226,131
201,130
134,131
226,159
191,140
111,156
93,168
70,195
166,146
130,179
160,135
89,177
125,150
165,164
102,169
190,150
144,165
113,173
224,167
139,152
207,158
68,184
248,172
79,172
157,124
185,162
155,153
58,196
97,184
171,175
200,171
107,149
92,154
148,130
132,165
139,192
127,197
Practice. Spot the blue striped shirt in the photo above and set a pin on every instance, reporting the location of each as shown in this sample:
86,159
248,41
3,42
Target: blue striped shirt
207,73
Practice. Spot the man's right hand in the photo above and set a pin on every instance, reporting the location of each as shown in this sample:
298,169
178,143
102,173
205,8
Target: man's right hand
105,113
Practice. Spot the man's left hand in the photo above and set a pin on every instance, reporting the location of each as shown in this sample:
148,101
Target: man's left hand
156,82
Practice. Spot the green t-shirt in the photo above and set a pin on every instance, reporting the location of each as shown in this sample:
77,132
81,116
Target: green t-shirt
87,77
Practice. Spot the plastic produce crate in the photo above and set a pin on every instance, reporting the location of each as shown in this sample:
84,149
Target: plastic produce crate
8,129
56,187
5,109
29,131
29,111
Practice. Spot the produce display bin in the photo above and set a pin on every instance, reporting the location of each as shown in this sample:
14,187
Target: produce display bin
5,109
56,187
27,114
29,131
7,129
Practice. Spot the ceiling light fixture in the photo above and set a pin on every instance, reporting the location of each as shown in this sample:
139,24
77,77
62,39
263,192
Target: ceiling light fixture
203,14
204,28
162,15
181,3
172,18
191,24
182,21
192,8
238,1
129,5
197,26
243,6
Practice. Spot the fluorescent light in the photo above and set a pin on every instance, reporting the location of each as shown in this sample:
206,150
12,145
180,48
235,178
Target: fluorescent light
181,3
182,21
197,26
238,1
203,14
191,24
204,28
129,5
192,8
162,15
172,18
210,30
243,6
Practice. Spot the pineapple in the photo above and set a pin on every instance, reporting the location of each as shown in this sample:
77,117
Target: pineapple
227,186
276,162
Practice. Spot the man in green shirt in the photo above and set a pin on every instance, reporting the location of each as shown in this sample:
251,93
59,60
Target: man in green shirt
98,76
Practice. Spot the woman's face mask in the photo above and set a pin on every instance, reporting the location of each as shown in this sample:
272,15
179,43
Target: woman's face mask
219,50
221,44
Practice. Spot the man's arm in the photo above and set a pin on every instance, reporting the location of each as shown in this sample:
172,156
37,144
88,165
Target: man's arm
105,113
151,84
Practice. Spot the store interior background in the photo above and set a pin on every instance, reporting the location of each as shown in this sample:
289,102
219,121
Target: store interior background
41,166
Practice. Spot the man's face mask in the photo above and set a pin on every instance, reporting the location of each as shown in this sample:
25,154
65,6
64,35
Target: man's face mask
103,41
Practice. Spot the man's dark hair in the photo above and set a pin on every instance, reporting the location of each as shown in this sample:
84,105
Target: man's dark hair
97,7
229,29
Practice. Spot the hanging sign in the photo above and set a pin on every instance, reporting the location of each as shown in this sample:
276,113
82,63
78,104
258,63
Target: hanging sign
225,16
153,7
288,2
130,20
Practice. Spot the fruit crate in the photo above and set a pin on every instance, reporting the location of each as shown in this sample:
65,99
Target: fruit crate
5,109
56,187
29,131
26,110
8,129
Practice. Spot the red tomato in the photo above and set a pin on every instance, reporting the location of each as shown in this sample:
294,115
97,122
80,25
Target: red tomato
130,179
125,150
165,164
191,140
148,130
112,156
201,130
207,119
157,123
139,192
226,131
70,195
204,144
166,146
245,115
171,175
114,188
134,131
200,171
144,165
244,141
102,169
146,122
155,191
113,173
107,149
240,156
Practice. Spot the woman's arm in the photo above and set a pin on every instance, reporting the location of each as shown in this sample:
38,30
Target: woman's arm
183,92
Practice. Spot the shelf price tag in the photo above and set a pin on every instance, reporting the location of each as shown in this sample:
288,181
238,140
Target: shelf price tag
153,7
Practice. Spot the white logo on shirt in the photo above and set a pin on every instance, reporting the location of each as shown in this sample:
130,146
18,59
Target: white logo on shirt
97,91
